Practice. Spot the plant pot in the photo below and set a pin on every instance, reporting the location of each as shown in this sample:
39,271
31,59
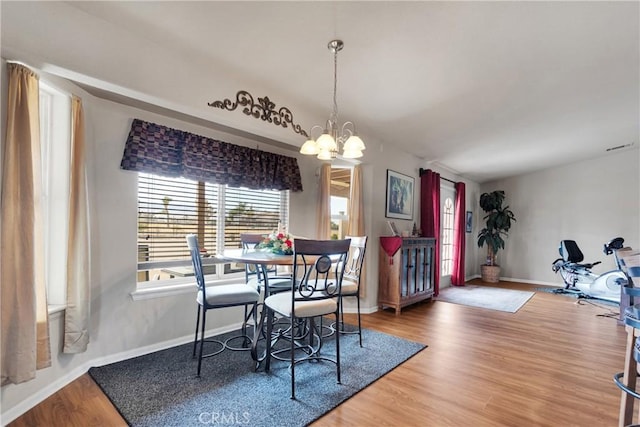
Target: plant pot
490,273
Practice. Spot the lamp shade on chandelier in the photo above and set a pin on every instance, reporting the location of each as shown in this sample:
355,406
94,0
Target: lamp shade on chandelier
334,136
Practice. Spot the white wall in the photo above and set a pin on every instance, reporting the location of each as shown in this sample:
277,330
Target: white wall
590,202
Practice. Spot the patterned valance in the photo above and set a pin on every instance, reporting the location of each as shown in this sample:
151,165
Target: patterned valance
156,149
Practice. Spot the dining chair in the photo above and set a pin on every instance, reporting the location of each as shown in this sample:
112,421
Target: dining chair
627,379
625,299
352,279
255,274
318,269
219,296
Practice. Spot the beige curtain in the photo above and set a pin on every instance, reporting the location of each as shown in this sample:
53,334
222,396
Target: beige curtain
25,325
356,217
323,229
76,320
356,205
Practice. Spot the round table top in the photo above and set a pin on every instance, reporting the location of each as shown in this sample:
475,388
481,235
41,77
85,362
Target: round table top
254,256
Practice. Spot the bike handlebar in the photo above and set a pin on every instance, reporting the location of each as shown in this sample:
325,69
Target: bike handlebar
613,245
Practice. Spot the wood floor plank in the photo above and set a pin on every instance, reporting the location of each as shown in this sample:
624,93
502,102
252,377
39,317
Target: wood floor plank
80,403
549,364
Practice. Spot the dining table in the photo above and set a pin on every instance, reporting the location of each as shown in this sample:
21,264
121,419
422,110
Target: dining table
254,256
262,259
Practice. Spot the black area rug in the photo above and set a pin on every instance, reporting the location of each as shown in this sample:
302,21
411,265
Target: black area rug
161,388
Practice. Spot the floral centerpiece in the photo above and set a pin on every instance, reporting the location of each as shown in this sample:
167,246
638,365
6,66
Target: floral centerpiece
279,243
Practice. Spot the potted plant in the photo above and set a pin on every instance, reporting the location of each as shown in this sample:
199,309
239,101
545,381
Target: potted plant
498,222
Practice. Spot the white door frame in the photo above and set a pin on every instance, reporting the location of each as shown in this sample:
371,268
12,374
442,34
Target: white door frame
447,190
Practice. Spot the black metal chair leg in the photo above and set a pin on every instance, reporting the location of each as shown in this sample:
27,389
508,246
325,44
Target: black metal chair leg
245,320
195,340
267,364
293,362
312,329
204,321
338,350
255,319
359,323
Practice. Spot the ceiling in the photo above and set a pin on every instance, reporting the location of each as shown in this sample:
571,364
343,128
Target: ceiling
485,90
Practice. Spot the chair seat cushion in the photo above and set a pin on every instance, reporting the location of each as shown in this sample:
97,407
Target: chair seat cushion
281,303
229,294
349,287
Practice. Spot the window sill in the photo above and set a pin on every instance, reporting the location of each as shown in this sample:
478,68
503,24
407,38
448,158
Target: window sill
159,291
150,290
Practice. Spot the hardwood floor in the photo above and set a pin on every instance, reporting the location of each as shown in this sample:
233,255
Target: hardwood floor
549,364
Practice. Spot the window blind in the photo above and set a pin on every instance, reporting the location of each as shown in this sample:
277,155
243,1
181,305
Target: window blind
251,211
170,208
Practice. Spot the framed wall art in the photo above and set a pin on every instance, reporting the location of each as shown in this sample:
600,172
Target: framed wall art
469,221
399,202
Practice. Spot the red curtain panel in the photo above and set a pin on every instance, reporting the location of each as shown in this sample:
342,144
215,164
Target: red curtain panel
457,273
430,217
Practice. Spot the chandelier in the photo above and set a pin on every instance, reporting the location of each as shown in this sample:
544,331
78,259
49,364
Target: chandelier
334,136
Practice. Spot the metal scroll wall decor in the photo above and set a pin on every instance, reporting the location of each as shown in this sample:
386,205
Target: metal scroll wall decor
264,109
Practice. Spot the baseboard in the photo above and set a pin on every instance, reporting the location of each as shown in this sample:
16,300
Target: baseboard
36,398
531,282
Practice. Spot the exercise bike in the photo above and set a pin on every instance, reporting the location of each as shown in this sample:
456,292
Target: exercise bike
579,278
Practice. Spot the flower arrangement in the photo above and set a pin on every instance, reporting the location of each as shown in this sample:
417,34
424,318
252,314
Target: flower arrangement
279,243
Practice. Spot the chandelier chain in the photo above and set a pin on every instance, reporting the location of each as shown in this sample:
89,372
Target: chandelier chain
335,87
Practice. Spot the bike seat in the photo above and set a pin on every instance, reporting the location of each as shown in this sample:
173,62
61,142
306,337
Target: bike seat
571,253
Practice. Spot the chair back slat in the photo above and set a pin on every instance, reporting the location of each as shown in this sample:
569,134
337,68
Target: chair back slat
249,241
631,267
355,261
632,260
196,260
319,268
634,274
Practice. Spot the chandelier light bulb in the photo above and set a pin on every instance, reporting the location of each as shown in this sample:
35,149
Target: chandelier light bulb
325,155
326,142
309,147
352,154
354,143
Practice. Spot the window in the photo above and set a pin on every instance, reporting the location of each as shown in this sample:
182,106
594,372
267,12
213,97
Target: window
340,189
170,208
447,237
55,146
